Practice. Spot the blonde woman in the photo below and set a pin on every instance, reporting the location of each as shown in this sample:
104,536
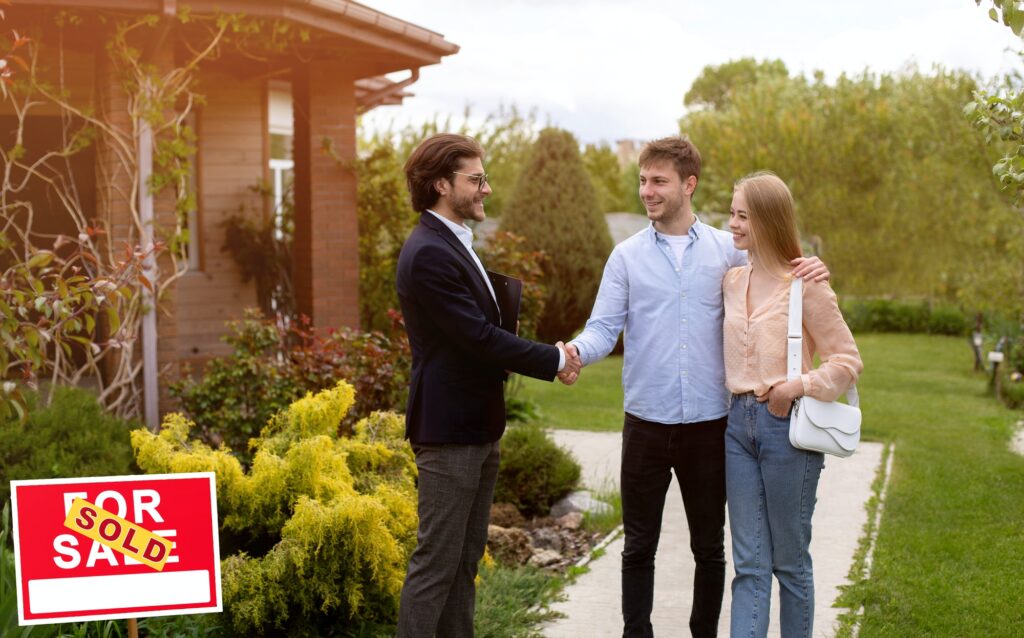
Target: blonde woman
771,485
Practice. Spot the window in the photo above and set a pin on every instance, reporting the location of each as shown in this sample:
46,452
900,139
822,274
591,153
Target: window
282,166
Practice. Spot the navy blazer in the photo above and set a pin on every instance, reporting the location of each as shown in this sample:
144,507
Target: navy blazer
459,352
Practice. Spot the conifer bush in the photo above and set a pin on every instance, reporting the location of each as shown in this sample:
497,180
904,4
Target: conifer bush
320,529
554,206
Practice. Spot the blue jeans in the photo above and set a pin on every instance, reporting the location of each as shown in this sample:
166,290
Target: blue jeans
770,486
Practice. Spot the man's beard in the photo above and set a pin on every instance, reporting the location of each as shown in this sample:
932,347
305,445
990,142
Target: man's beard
465,207
671,210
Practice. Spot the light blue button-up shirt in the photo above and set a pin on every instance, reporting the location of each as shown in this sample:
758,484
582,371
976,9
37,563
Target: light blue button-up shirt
672,313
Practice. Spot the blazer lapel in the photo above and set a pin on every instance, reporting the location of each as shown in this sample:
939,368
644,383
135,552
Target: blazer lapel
445,233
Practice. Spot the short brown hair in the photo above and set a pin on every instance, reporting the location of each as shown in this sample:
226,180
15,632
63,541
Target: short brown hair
773,228
680,151
437,157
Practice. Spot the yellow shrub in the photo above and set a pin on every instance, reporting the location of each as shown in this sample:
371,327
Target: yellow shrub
322,526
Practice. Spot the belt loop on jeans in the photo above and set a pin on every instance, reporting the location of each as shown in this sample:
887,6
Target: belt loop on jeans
746,397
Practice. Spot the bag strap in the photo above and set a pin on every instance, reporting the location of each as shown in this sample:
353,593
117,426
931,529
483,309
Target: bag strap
795,339
795,334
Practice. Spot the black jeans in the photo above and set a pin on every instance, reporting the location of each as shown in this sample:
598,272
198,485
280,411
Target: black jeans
650,453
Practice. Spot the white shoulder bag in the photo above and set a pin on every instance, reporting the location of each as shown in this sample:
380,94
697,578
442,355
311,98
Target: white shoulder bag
820,426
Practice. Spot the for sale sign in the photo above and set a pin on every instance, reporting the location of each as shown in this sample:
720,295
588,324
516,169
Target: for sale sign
116,547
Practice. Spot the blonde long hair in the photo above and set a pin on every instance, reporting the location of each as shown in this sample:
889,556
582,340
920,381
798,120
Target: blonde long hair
774,236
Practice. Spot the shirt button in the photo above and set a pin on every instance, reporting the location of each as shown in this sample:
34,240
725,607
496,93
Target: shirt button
684,346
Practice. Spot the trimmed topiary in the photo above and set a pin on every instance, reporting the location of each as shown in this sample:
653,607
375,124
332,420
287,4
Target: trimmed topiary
555,208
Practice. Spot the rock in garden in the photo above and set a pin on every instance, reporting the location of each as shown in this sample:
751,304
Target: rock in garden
545,557
509,546
547,538
506,515
572,520
580,501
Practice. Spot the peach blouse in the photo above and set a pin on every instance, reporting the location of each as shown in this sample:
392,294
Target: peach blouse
755,346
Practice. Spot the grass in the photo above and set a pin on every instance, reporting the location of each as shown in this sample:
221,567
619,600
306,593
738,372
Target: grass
949,556
511,603
605,522
593,403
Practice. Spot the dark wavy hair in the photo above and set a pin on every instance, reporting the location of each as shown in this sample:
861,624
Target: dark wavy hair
437,157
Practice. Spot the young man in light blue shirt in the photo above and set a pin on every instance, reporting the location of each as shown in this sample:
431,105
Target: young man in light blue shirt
663,286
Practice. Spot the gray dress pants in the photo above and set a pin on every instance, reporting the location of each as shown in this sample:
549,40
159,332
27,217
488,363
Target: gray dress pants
456,486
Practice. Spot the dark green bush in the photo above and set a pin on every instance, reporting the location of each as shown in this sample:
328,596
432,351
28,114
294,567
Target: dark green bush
535,472
893,315
948,320
236,395
555,208
71,437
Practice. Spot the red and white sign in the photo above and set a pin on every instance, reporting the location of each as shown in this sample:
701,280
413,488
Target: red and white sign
65,576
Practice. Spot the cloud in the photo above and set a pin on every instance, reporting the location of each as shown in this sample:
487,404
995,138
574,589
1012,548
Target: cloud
609,70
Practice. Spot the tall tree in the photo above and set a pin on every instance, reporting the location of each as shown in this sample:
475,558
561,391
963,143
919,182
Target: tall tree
716,85
554,206
888,177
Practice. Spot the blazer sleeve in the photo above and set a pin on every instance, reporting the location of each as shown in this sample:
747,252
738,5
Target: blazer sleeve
440,290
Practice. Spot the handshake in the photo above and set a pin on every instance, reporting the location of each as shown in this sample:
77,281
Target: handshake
573,363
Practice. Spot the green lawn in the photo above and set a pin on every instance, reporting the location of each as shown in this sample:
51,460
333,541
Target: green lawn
594,402
949,559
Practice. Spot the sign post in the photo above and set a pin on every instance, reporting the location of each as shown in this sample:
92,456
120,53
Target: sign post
116,547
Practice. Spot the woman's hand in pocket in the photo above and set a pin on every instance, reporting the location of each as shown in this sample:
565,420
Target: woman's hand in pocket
780,397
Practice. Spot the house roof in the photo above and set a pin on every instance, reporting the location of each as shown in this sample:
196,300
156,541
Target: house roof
378,91
385,42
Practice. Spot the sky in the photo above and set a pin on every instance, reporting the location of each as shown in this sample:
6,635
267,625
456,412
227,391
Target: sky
609,70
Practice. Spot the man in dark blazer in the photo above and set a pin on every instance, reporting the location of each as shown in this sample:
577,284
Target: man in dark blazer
456,409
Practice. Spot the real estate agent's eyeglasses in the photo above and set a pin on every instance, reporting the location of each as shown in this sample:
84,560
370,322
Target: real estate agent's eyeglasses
479,179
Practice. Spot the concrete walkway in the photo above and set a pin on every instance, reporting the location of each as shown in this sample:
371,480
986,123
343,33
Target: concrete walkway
592,605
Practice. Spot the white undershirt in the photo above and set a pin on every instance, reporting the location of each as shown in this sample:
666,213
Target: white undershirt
678,244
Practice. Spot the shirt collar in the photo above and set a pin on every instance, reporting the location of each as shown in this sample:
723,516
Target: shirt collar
462,232
696,229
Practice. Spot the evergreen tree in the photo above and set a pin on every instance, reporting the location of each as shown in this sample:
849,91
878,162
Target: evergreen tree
602,165
554,206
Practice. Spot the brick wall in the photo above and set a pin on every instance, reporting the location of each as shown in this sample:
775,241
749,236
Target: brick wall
326,251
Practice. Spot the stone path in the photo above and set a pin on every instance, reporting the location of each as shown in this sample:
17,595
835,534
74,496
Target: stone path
592,605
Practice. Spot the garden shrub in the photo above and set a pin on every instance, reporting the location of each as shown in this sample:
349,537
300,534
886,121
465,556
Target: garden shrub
386,218
321,527
891,315
506,253
947,320
271,365
71,437
1012,392
534,472
555,208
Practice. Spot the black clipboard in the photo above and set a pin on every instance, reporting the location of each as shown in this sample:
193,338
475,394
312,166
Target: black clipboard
508,291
